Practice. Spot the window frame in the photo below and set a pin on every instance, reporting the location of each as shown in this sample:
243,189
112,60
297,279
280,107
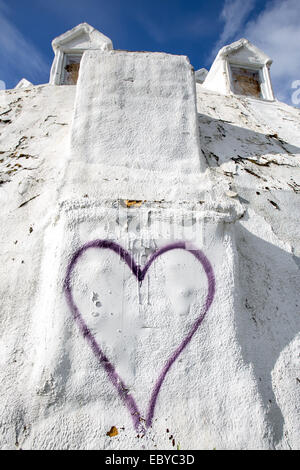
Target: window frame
264,77
64,63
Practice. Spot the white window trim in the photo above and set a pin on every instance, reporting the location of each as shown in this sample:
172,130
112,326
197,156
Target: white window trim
265,81
57,70
64,62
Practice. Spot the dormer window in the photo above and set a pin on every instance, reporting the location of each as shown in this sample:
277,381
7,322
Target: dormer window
241,69
69,49
246,81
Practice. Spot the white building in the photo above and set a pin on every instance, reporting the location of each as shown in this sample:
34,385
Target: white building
195,181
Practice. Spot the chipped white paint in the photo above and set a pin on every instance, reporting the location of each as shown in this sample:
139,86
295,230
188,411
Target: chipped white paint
236,386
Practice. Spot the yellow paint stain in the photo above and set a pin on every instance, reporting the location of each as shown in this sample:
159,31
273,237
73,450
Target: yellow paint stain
113,432
131,203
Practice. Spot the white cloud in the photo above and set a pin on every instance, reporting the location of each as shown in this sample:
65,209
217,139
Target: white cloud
234,15
276,31
18,56
2,85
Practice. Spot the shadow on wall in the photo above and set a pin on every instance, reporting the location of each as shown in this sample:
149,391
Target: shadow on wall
222,142
268,316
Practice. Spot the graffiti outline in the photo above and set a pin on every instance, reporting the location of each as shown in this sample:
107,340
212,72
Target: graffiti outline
140,273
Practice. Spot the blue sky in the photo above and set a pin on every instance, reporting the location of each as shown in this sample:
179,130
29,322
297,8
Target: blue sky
196,28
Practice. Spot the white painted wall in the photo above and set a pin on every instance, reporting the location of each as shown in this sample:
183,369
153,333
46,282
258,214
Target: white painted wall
136,110
235,386
24,83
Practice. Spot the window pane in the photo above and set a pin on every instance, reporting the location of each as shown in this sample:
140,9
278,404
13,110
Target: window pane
71,69
246,82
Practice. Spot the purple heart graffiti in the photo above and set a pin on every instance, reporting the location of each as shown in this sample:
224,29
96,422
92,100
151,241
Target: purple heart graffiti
140,273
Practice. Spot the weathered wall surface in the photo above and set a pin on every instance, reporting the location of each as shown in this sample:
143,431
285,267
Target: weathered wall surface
253,147
136,110
34,142
197,348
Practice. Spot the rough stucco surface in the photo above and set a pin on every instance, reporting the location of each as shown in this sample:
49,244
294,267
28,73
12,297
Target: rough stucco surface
236,384
254,147
136,101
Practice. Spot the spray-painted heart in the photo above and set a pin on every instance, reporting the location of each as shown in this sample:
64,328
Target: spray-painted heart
140,274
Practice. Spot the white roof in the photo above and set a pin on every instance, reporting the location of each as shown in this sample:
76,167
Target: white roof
82,36
232,49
